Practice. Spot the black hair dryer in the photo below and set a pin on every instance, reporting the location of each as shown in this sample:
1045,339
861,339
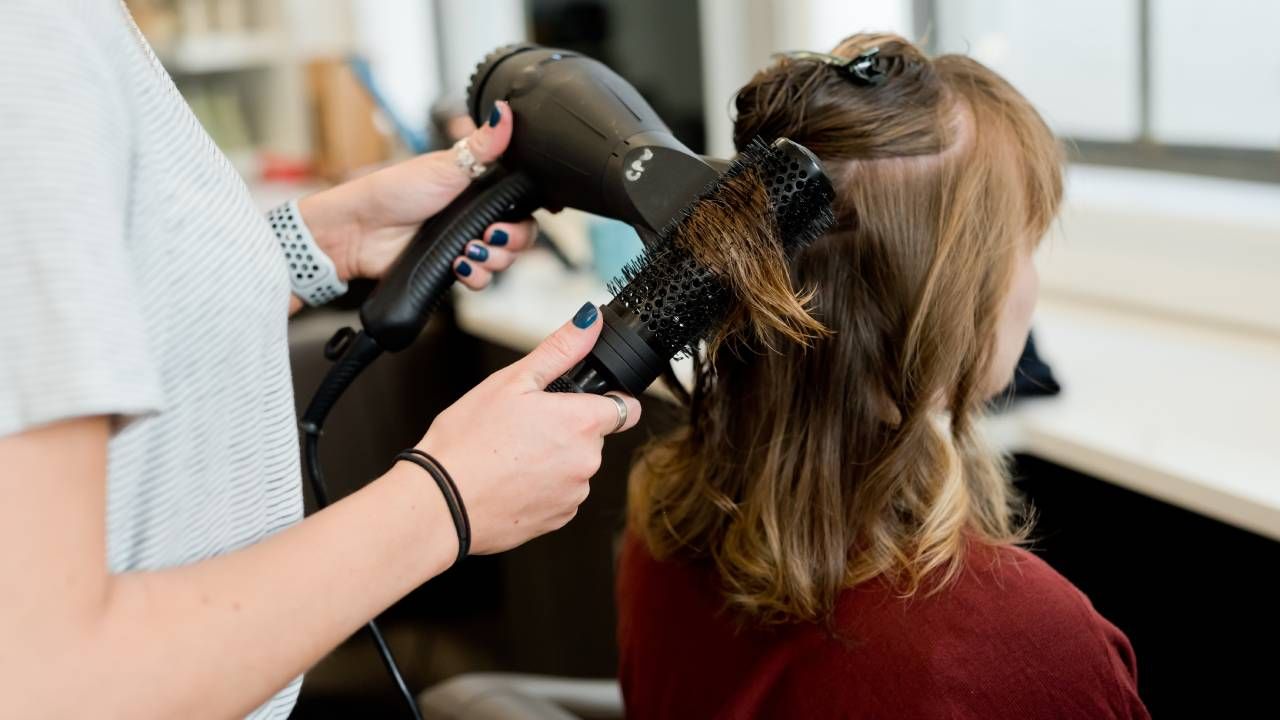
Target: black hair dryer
583,138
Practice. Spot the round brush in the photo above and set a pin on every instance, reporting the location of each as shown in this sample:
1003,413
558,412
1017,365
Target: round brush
725,254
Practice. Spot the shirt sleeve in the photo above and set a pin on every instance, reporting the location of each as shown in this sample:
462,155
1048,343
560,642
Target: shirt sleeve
73,338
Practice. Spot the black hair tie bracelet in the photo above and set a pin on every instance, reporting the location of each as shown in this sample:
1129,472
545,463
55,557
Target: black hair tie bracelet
452,497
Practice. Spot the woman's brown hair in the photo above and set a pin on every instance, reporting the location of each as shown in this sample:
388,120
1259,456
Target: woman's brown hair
807,468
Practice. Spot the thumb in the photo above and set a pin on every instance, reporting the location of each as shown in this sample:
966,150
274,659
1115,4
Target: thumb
561,350
493,135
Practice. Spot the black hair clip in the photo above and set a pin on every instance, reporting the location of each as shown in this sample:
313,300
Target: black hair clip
868,68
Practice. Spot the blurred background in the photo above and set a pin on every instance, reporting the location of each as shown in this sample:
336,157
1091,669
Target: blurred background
1152,451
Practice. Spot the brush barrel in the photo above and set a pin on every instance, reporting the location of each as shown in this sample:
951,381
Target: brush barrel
671,303
799,191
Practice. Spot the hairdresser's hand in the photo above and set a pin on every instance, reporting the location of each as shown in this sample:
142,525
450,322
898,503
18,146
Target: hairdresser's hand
521,457
364,224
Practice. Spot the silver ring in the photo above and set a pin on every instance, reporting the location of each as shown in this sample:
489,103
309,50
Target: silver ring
622,413
466,160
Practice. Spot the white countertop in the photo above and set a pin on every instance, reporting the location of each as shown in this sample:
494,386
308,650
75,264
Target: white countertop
1186,414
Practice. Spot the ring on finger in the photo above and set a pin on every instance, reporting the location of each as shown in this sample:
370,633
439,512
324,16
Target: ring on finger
466,160
622,412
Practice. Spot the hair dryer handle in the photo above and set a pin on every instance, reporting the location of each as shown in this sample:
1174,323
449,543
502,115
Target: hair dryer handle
400,306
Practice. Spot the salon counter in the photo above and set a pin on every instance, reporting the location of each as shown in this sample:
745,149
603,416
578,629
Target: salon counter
1185,414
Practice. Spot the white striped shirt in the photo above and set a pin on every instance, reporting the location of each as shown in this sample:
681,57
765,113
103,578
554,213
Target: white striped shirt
138,281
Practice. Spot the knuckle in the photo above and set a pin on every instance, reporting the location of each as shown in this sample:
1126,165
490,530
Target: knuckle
560,346
592,464
585,467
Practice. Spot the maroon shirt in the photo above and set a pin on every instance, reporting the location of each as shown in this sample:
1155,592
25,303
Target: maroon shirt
1011,638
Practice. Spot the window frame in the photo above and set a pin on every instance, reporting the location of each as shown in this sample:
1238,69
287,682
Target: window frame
1145,152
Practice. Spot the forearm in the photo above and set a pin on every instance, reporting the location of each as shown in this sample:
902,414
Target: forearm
217,638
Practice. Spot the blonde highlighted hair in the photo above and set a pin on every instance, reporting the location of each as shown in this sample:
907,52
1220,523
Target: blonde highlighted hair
808,469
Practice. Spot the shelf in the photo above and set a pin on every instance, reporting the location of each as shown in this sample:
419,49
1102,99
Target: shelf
223,52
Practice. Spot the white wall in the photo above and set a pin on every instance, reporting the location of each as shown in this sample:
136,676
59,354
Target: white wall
1194,247
736,40
469,30
415,62
738,37
821,24
397,37
1078,61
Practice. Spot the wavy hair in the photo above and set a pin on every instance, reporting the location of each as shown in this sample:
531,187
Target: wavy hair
808,468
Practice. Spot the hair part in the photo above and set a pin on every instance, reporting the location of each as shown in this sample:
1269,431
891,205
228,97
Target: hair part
806,469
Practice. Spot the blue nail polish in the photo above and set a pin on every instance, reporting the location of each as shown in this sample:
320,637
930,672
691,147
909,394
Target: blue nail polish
479,253
463,269
494,116
498,238
586,316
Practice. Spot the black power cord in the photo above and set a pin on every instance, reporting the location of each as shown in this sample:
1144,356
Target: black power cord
396,313
352,353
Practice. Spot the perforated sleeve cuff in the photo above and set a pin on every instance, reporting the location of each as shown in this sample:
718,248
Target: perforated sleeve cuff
312,273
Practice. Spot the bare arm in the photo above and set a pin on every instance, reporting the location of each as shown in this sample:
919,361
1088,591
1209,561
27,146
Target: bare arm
217,638
213,639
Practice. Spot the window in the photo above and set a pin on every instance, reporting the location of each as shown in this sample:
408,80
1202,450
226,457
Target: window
1215,73
1166,84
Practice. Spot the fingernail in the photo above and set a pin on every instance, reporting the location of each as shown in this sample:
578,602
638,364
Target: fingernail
463,269
586,316
498,238
477,252
495,115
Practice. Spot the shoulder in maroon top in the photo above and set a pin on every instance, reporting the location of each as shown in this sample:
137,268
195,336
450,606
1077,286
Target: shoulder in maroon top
1010,638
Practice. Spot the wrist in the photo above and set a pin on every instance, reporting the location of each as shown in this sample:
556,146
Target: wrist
433,528
448,490
334,218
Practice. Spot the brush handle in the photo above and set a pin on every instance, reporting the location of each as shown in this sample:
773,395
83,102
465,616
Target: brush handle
400,306
623,359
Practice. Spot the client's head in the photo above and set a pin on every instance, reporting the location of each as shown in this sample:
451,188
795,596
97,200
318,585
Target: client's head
807,469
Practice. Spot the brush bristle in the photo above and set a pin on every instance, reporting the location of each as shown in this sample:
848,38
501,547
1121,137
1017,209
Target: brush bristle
732,243
800,201
676,299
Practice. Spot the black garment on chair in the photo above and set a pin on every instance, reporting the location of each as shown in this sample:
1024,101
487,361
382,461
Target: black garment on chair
1032,378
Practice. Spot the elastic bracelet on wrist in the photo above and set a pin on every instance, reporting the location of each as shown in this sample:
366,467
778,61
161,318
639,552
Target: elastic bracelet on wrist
452,497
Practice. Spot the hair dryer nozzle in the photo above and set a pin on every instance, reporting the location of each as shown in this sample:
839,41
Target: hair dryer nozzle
586,137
